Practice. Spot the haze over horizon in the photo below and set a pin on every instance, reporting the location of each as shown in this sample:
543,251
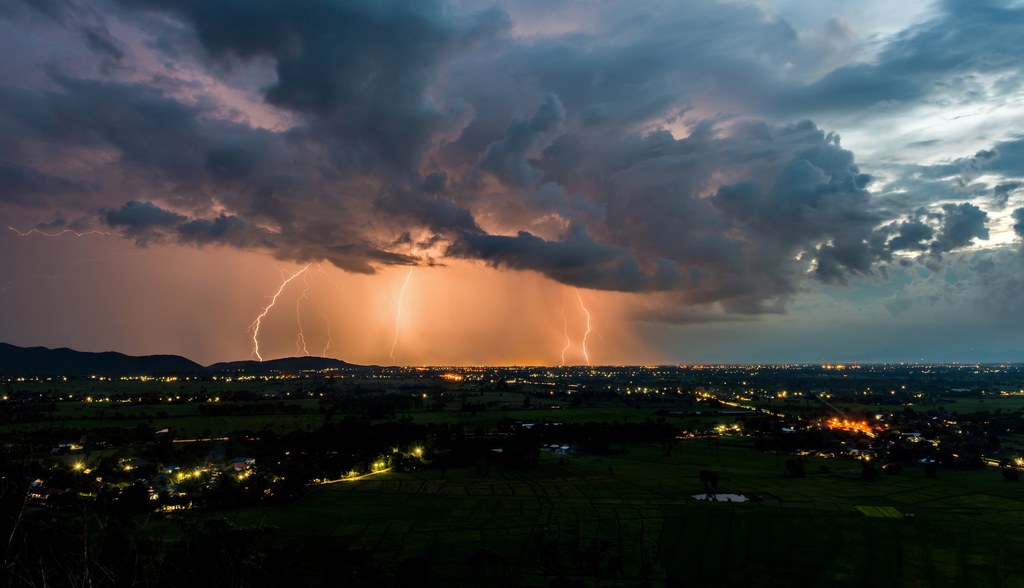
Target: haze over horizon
326,362
459,182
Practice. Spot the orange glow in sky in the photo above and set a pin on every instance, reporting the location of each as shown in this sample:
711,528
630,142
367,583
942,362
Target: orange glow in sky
463,313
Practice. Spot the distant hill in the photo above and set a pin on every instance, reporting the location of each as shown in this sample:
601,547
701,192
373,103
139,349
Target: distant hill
41,361
285,364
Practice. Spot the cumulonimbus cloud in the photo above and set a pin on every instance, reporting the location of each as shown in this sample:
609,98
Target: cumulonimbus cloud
413,131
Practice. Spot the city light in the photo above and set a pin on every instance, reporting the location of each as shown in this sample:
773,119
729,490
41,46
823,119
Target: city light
850,425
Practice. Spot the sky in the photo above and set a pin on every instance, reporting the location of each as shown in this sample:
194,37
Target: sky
555,182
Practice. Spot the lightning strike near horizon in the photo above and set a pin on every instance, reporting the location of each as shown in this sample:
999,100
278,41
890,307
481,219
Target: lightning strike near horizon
398,313
568,341
266,309
31,232
323,315
586,355
300,339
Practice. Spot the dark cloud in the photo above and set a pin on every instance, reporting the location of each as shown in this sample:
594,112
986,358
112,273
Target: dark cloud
141,217
26,186
433,213
853,87
803,198
959,225
1008,157
406,126
79,17
818,196
508,157
182,156
146,222
225,230
937,231
1018,225
361,68
434,183
146,127
577,259
934,58
1001,192
912,235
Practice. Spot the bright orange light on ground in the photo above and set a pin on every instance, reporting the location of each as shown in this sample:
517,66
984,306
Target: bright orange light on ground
850,425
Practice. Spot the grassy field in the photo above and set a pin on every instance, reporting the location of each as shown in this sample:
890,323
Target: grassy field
127,388
185,418
961,405
620,521
628,519
540,412
991,404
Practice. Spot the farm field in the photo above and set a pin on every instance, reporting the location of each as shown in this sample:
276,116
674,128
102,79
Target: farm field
186,419
629,520
621,512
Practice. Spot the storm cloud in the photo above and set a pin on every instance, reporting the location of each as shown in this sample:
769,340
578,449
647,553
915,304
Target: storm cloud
625,155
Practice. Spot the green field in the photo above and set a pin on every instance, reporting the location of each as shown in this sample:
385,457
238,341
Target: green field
620,521
623,520
184,418
990,404
539,412
187,421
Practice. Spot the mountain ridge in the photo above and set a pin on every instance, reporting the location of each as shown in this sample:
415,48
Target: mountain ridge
62,361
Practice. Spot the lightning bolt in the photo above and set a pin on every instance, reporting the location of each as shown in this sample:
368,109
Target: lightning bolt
62,269
568,341
330,340
327,321
300,339
586,356
266,309
398,313
60,234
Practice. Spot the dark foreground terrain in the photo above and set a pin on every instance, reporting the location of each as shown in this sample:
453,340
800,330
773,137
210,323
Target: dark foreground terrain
870,476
